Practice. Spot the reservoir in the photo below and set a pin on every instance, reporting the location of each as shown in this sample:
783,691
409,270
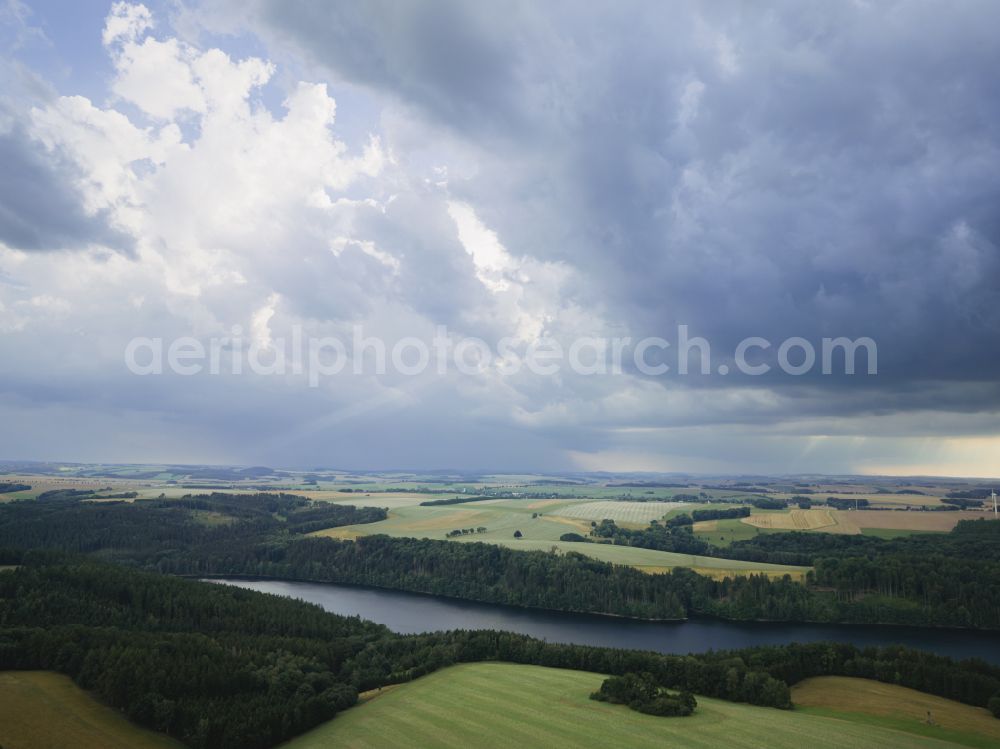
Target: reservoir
412,613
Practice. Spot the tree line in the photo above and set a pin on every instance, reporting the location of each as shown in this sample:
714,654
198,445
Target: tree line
932,579
219,666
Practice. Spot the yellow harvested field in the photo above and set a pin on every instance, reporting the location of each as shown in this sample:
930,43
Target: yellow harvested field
850,695
852,522
794,520
911,521
44,710
705,525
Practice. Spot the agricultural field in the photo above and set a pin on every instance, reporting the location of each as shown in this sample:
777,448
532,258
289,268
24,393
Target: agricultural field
724,532
901,501
501,518
502,705
898,707
388,500
853,522
44,710
922,522
794,520
621,512
561,504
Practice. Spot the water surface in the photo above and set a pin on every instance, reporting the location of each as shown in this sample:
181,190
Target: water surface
411,613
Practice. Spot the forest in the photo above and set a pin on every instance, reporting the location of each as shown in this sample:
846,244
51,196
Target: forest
219,666
922,580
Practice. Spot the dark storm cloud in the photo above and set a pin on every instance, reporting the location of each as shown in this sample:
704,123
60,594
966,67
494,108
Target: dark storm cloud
449,57
39,208
820,169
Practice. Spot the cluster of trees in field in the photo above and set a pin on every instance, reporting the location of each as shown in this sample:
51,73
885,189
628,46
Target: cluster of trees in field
712,514
641,693
969,494
669,536
454,501
769,503
466,531
962,504
6,487
840,503
52,494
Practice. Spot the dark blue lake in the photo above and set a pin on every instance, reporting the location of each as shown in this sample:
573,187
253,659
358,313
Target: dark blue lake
410,613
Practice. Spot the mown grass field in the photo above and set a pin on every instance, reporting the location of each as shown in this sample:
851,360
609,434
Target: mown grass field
503,705
44,710
620,512
898,707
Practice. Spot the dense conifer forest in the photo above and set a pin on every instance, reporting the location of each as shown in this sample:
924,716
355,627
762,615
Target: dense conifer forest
219,666
923,580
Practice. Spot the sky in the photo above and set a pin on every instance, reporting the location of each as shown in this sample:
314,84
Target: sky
235,176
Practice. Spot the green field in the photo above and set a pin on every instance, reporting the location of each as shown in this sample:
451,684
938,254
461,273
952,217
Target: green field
503,705
43,710
502,518
621,512
724,532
